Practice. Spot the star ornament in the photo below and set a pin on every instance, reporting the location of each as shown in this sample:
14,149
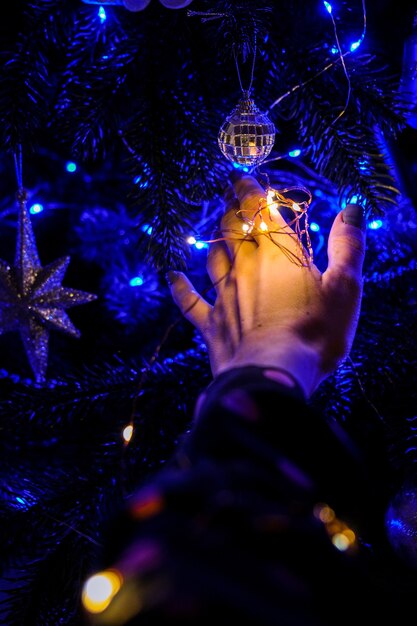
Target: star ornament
33,299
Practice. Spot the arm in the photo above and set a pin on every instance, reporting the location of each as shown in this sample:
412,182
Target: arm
229,528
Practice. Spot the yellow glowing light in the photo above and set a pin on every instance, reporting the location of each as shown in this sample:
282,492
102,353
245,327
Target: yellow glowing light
127,433
270,196
350,535
245,228
100,589
263,226
324,513
340,541
191,240
296,207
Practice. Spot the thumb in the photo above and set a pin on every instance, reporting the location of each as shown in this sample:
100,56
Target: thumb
347,241
191,304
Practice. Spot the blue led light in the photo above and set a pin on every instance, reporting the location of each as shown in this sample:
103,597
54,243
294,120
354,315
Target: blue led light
238,166
355,45
200,245
334,50
138,181
294,153
314,227
23,503
375,224
71,166
146,229
36,208
102,14
328,6
137,281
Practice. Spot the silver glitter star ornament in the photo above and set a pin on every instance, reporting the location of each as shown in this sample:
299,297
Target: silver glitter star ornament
32,297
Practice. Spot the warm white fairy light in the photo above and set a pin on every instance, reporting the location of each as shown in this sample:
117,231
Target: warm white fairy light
270,198
100,589
342,537
128,433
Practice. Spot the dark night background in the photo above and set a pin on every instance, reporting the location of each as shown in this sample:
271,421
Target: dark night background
115,119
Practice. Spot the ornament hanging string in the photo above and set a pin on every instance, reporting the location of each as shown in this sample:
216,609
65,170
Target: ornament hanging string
246,92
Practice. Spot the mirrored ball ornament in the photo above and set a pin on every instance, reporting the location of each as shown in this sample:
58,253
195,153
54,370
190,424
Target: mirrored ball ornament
247,135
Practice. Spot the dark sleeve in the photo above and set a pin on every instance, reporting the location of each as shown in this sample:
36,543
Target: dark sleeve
262,518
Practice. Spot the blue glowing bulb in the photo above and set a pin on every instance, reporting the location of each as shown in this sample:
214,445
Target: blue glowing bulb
36,208
294,153
238,166
71,166
328,6
102,14
137,281
375,224
314,227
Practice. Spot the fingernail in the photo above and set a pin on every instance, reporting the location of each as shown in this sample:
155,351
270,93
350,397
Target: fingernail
354,214
171,277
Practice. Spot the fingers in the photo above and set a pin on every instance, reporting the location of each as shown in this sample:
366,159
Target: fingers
347,242
253,207
191,304
218,264
232,226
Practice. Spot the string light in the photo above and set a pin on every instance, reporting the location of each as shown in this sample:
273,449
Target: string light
342,537
36,208
71,167
146,228
327,67
375,224
100,589
102,14
127,433
137,281
266,220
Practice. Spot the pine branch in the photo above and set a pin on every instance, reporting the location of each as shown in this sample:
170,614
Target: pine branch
25,75
348,154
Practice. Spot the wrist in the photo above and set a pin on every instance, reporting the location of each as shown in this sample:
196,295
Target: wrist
292,358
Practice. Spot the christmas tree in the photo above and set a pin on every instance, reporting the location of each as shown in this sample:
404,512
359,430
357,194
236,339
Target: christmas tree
112,170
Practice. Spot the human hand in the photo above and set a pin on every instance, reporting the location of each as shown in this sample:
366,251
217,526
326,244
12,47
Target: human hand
273,308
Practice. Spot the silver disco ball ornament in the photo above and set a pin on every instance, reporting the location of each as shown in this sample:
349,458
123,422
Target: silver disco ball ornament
246,136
